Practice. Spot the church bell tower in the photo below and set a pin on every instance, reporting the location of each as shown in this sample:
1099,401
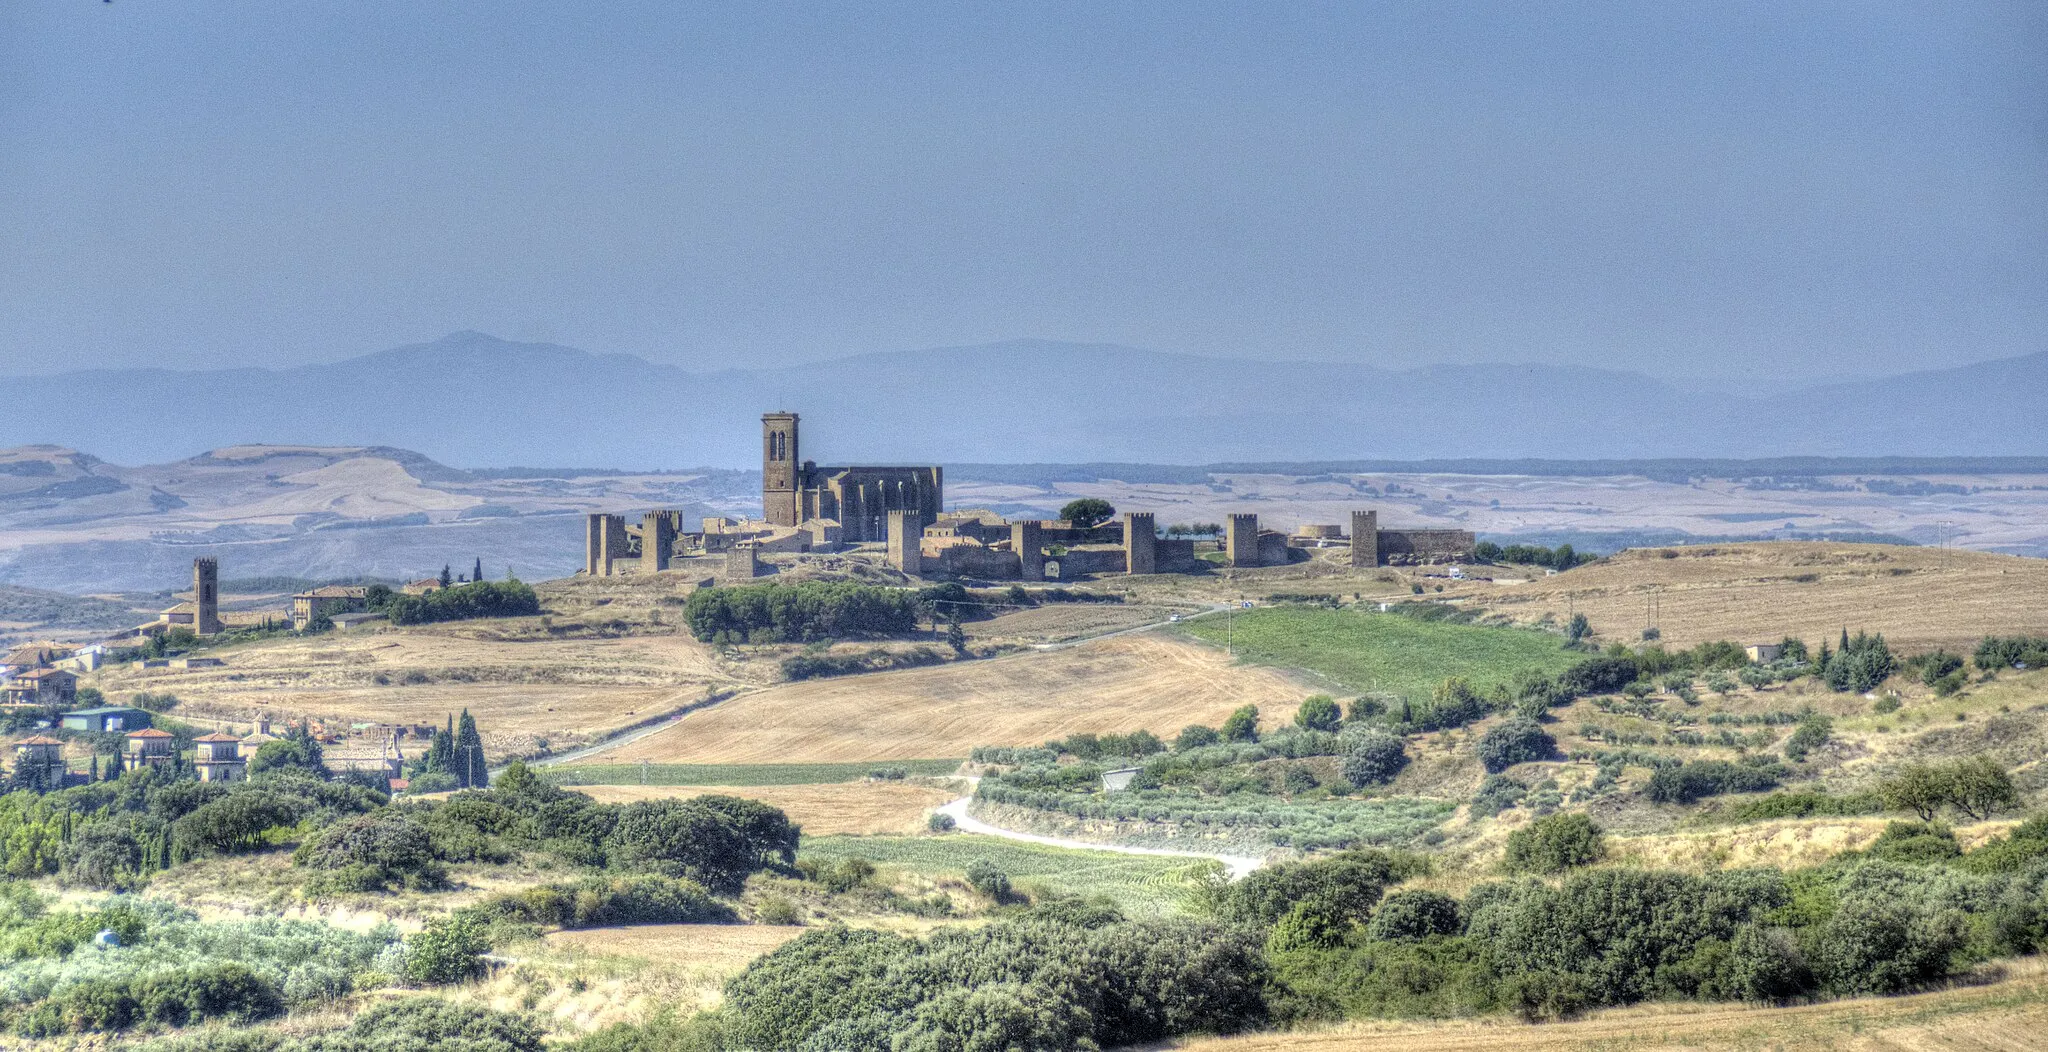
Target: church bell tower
779,472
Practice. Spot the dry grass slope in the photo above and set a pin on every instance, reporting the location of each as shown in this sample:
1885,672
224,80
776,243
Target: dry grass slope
1127,683
1918,597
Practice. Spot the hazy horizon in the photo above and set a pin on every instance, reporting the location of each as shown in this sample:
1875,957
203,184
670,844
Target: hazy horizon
1804,192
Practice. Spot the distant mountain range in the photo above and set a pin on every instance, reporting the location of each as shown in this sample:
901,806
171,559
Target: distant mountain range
474,400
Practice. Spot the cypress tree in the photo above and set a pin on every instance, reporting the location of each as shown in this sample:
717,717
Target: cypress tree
470,769
448,578
478,573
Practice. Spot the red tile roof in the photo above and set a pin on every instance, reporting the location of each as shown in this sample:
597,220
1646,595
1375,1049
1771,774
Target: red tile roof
150,732
216,736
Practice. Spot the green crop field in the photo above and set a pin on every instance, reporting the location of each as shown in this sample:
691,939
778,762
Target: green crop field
1140,884
1386,652
738,774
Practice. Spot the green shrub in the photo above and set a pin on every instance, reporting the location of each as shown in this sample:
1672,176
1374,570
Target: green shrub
1415,914
1242,725
1555,843
1812,733
985,877
940,822
1195,736
1371,757
449,950
1922,843
374,852
1514,740
1318,712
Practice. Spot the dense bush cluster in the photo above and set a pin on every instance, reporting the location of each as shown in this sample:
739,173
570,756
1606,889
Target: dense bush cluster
1999,652
1687,782
713,840
825,666
1050,980
170,969
1555,843
1904,913
1560,558
464,601
111,834
799,613
412,1024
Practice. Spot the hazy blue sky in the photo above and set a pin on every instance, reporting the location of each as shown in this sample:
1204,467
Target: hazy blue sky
1685,188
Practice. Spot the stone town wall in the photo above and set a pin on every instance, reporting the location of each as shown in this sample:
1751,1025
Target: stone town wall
975,560
1408,547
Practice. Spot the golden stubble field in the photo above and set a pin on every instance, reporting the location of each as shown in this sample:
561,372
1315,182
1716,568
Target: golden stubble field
1756,593
857,808
559,689
1144,681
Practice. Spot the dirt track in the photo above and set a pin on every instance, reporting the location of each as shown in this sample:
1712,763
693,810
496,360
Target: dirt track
1122,684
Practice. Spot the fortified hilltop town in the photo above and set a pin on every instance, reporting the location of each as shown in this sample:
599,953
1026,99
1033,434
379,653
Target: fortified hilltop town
811,509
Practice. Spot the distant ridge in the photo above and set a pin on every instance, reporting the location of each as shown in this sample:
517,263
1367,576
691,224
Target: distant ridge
475,400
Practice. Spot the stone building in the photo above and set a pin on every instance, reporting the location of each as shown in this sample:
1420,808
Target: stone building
807,508
39,761
795,491
220,758
42,686
327,601
148,747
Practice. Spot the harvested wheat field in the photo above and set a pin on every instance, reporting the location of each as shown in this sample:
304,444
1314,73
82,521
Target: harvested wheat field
1142,681
858,808
2009,1015
564,690
1759,593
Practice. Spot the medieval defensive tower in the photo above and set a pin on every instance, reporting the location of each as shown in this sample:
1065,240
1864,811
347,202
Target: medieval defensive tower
205,595
779,462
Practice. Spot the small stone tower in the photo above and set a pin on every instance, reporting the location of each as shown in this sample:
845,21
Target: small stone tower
1241,539
779,474
906,541
657,540
1029,544
1365,538
206,595
1140,540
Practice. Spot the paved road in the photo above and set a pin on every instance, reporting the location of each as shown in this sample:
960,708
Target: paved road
1236,865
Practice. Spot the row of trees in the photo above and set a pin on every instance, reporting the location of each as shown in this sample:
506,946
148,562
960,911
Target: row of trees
805,612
